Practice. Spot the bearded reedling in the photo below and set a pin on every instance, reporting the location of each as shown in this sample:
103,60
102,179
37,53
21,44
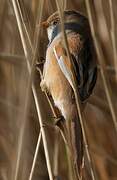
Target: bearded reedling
83,56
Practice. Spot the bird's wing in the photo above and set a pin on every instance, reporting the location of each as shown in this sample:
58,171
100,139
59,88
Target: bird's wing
85,68
83,56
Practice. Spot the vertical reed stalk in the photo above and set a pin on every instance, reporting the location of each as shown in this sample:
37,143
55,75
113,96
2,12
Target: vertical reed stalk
35,157
113,34
18,18
26,106
102,65
56,154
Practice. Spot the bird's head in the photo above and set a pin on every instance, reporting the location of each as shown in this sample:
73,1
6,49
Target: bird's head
69,17
51,23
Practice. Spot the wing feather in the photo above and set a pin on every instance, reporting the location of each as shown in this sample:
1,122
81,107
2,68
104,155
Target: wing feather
85,68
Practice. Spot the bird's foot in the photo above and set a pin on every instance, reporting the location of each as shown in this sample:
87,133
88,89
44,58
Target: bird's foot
40,62
43,86
58,120
39,66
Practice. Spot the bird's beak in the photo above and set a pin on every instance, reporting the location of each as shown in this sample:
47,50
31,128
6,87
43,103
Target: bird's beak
45,24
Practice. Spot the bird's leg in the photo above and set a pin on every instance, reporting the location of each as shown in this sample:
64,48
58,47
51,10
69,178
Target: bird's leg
58,120
39,66
43,86
40,63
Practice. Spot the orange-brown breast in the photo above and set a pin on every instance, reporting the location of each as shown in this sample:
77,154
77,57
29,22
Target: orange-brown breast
56,82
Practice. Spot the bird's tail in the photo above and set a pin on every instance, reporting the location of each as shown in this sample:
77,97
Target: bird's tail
76,141
73,133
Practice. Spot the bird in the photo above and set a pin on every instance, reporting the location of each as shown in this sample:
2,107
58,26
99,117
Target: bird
83,56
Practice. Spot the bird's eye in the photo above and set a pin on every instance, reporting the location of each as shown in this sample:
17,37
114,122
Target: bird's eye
55,22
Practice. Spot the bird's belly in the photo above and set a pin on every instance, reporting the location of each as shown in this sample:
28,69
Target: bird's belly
58,86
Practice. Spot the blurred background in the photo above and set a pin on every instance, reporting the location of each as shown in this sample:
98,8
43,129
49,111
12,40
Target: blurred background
14,76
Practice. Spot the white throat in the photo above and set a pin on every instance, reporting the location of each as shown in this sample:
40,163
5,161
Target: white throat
50,31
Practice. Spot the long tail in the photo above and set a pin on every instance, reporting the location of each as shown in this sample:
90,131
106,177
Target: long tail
77,144
73,134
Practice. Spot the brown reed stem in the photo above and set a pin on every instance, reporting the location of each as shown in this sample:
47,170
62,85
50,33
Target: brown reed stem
35,157
102,65
113,34
18,18
56,153
26,105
